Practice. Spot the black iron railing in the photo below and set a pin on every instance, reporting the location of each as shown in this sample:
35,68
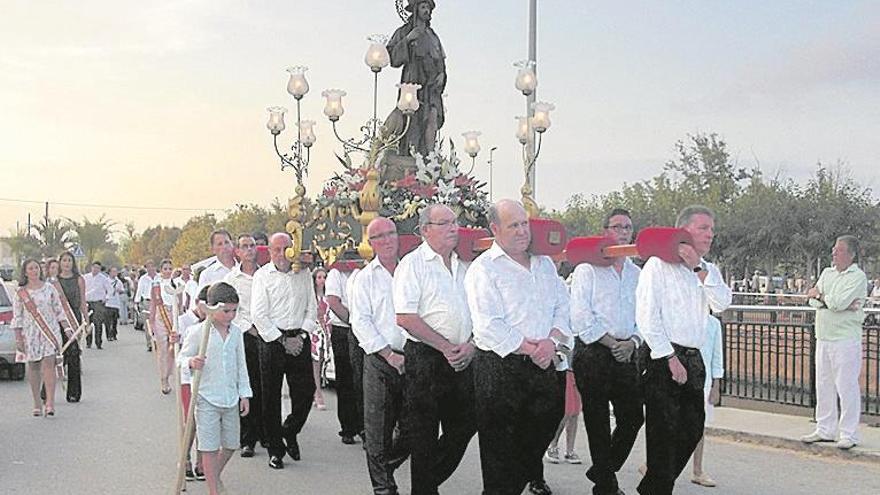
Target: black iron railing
770,353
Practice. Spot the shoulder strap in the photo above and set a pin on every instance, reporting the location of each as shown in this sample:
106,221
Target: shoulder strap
160,305
65,303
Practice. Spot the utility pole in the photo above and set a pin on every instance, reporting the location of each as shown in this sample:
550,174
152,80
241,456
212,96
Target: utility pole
530,112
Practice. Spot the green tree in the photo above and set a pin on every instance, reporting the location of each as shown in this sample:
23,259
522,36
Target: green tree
55,236
23,246
193,242
245,219
93,236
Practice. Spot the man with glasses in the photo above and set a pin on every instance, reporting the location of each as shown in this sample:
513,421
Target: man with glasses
603,317
241,278
431,306
374,323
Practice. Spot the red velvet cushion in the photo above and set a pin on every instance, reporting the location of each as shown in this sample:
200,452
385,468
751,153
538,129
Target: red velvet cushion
467,238
407,243
346,266
662,242
548,237
589,250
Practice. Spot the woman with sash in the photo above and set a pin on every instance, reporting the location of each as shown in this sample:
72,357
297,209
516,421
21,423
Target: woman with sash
73,291
320,339
37,319
160,321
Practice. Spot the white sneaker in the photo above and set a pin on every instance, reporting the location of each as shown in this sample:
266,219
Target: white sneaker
814,438
845,444
572,458
552,455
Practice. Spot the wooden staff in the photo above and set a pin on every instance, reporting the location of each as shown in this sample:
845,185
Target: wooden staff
173,349
155,344
188,431
75,335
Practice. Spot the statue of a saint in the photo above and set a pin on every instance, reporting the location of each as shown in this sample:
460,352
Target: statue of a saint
416,48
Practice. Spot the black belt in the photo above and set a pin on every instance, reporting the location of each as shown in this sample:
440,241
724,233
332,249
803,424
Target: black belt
687,351
293,332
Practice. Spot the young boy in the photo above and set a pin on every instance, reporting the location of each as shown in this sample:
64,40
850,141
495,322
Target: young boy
224,389
190,322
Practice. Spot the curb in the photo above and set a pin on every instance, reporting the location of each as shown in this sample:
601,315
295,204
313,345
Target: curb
828,450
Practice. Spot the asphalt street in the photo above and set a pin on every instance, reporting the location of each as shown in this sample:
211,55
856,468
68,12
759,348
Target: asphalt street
121,439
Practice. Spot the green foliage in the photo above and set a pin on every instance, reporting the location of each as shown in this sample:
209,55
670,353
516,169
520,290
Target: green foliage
93,235
193,241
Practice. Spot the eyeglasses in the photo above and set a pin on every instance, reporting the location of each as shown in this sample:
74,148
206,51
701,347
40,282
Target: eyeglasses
383,236
446,223
620,228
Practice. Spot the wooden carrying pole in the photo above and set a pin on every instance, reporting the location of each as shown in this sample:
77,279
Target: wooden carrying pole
188,431
173,349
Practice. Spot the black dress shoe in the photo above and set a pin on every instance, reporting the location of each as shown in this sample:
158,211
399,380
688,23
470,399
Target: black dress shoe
275,462
539,487
347,440
293,449
247,451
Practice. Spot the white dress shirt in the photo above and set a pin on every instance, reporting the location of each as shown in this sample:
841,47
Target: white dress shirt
186,323
510,303
117,288
214,273
373,320
336,285
243,284
424,286
145,283
97,287
224,378
190,290
672,304
604,301
283,301
167,299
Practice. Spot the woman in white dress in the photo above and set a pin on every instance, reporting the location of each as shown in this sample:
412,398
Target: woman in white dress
40,351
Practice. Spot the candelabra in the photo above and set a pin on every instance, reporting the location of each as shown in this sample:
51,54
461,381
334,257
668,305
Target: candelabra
536,121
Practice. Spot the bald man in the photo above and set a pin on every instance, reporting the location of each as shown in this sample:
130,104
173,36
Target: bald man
284,310
375,325
519,308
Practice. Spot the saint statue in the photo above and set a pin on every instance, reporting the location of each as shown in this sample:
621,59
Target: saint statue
417,48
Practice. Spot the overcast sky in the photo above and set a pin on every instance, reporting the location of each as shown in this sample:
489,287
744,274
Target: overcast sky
162,103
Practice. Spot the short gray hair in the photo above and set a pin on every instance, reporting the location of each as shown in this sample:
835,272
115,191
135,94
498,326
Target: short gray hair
852,244
425,214
684,217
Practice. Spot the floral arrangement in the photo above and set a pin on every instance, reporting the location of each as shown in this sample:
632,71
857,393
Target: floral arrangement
436,178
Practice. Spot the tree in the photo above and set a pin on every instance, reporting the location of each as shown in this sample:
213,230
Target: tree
22,245
193,243
93,235
154,243
54,235
245,219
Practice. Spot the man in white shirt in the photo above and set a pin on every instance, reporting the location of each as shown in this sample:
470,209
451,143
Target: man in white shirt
221,246
190,287
285,312
603,317
98,290
375,325
349,412
672,304
431,306
241,278
519,307
142,299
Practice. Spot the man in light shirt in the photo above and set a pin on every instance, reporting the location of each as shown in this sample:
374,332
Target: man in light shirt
672,304
241,278
431,306
520,312
142,299
839,298
221,246
285,312
375,325
190,286
603,317
351,417
98,290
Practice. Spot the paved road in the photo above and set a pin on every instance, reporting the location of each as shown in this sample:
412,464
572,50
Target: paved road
120,439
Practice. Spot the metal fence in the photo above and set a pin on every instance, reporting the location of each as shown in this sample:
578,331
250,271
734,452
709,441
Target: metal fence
770,355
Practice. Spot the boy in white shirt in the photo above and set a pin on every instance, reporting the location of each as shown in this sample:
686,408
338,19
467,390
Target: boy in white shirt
186,323
224,388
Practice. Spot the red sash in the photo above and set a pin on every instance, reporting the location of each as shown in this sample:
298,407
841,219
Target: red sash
156,295
35,313
71,318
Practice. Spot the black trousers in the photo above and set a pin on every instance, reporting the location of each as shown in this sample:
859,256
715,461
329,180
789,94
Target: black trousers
674,418
356,357
435,395
275,365
111,322
252,424
350,419
604,380
383,406
98,318
518,406
74,372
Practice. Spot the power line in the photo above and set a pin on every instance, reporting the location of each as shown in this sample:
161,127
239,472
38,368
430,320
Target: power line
117,207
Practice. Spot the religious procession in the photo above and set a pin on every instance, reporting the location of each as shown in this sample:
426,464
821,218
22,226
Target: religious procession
406,330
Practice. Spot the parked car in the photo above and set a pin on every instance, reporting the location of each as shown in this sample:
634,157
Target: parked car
7,337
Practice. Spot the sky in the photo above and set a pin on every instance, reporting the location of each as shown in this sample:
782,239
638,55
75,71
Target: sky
161,104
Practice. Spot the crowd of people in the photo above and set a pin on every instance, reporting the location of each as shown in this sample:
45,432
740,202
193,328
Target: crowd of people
430,350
